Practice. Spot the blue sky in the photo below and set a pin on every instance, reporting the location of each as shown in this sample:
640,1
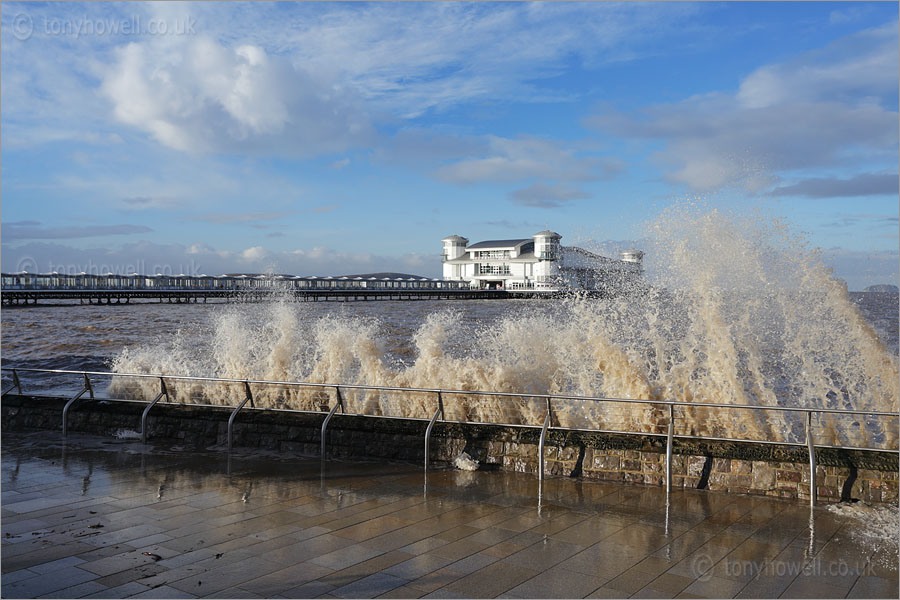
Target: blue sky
328,138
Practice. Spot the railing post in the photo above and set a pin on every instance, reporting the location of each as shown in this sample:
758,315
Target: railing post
163,392
670,435
540,503
812,459
439,410
339,402
541,442
249,399
65,416
249,393
666,529
812,533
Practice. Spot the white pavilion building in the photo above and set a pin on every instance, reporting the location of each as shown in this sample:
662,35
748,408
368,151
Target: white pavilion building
539,264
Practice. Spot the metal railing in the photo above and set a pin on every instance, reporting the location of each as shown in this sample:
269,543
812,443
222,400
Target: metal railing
670,435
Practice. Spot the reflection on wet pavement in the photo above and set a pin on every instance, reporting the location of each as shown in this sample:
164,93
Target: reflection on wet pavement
115,519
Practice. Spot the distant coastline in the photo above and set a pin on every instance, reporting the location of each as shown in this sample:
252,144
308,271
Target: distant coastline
882,287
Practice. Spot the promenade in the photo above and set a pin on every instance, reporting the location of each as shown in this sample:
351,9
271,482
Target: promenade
104,518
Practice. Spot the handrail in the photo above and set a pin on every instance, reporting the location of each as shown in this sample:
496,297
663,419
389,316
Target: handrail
428,429
163,392
669,446
438,411
812,459
541,441
87,388
466,392
671,404
249,399
338,402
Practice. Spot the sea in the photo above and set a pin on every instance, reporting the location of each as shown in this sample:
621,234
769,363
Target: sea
731,311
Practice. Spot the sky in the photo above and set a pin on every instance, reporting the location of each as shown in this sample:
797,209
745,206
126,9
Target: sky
336,138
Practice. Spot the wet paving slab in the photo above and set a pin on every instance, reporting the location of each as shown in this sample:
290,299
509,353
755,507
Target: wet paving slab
100,518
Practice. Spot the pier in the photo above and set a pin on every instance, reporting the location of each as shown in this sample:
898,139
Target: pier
21,289
13,298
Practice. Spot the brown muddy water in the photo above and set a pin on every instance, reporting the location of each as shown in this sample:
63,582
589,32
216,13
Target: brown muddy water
734,311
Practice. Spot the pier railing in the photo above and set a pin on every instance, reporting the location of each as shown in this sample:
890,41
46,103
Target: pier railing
669,406
24,297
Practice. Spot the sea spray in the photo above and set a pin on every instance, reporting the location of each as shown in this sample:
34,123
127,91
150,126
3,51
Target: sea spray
873,529
738,310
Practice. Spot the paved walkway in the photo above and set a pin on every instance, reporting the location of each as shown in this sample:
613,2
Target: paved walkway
113,519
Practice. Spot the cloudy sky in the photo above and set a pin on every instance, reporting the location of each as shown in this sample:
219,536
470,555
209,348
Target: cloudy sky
329,138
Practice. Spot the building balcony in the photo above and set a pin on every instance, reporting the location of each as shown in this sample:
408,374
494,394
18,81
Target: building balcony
489,271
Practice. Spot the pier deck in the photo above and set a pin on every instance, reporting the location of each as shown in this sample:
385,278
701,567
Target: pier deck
118,296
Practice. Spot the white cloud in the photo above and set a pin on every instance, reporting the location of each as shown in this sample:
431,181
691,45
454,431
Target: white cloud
864,224
149,257
255,254
248,217
511,160
32,230
864,184
850,14
547,196
412,58
859,268
302,79
828,108
210,98
426,147
147,178
860,66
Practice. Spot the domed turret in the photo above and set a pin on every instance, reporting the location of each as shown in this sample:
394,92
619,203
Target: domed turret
454,247
546,245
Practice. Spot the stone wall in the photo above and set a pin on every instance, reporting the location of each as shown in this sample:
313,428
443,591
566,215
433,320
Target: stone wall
746,468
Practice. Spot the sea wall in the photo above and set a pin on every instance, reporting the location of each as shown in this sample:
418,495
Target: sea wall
746,468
